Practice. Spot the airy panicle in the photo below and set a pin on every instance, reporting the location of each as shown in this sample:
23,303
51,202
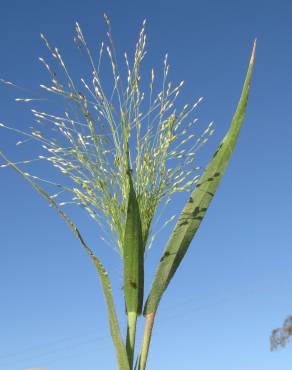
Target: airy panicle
87,143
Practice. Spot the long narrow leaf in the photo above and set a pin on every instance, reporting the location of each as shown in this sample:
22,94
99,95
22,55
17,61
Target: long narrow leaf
103,275
197,205
133,253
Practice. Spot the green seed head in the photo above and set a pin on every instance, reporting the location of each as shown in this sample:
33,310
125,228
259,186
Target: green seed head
100,133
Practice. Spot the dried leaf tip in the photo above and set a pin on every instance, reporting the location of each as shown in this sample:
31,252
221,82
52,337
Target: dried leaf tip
253,51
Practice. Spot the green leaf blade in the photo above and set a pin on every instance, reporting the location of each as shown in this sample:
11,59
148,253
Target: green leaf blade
197,205
133,254
120,347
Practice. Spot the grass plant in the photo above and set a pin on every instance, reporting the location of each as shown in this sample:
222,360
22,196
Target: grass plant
123,152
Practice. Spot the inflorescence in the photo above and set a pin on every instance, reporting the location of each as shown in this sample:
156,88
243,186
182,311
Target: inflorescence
89,142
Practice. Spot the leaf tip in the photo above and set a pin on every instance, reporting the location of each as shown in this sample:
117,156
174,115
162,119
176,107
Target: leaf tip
253,51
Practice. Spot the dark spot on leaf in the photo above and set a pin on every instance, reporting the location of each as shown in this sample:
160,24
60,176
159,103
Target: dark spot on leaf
166,254
196,211
220,146
133,284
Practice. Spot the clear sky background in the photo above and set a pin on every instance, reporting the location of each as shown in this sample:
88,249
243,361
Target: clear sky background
234,287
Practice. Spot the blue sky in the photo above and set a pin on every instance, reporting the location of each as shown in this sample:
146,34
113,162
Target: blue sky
234,286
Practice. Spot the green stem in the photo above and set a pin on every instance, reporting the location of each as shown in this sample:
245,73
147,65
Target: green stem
146,340
131,335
